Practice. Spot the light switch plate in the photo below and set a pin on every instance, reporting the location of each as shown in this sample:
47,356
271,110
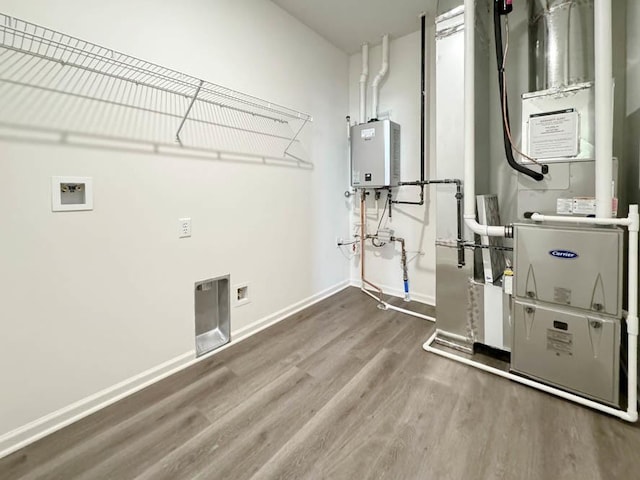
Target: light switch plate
184,227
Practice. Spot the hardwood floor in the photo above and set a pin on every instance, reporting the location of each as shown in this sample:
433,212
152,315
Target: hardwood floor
342,390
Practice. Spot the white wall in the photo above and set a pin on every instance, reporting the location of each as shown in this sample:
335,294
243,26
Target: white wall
91,299
400,98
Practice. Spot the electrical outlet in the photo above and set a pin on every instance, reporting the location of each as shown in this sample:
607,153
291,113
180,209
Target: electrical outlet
241,296
184,227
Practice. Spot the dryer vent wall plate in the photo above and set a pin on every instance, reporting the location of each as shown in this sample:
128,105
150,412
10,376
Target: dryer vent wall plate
70,194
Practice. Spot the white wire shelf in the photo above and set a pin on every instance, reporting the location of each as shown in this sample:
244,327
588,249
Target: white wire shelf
52,82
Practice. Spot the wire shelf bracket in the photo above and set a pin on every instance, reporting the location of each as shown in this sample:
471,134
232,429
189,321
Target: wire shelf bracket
186,115
50,81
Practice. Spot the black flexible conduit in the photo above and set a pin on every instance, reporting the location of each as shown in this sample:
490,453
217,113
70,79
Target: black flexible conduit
504,103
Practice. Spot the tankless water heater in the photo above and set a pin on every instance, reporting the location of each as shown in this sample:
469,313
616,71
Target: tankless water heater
375,154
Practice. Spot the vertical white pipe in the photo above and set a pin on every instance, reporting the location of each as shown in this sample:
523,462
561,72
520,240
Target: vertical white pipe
604,106
469,111
363,82
384,68
469,127
632,318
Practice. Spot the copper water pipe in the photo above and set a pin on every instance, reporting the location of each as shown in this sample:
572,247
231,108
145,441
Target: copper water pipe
363,237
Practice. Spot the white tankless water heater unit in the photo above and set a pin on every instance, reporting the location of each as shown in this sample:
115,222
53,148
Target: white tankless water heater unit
375,154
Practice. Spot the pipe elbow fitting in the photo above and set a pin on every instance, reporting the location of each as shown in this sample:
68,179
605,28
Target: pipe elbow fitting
634,218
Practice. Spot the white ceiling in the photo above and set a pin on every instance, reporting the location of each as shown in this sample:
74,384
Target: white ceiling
349,23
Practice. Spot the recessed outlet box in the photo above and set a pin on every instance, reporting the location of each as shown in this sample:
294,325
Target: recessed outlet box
241,295
70,194
213,319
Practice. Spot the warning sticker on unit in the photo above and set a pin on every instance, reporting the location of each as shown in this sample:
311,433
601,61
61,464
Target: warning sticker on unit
367,133
559,342
562,295
554,134
564,206
577,206
584,206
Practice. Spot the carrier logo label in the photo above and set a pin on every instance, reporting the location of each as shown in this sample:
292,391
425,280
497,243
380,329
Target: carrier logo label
563,254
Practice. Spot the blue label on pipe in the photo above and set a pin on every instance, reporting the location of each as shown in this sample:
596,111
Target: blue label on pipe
406,287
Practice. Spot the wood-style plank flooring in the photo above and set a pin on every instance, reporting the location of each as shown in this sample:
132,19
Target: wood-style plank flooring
342,390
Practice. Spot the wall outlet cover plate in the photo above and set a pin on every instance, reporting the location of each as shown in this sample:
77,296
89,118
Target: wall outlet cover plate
184,227
240,294
71,194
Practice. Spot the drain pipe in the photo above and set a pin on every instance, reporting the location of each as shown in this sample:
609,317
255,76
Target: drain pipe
376,81
632,318
364,282
604,107
469,130
363,82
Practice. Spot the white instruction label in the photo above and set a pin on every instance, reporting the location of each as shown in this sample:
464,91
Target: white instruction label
367,133
576,206
584,206
554,134
564,206
559,342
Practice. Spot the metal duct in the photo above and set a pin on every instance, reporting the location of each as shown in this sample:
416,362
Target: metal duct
561,43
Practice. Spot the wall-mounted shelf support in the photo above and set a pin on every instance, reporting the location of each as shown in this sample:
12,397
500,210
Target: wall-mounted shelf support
295,139
186,114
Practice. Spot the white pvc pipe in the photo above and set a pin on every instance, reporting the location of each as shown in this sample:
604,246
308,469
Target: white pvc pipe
630,417
604,107
384,68
469,128
632,317
388,306
538,217
409,312
363,82
469,111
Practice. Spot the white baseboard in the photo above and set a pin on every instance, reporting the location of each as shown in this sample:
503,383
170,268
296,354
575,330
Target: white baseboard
276,317
52,422
46,425
396,292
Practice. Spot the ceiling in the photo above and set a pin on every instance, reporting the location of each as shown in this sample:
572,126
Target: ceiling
349,23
